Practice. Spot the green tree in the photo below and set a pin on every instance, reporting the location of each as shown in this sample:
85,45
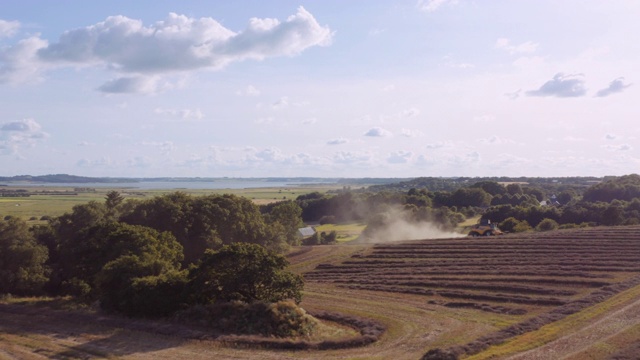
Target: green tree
22,259
514,189
289,215
141,286
243,272
113,199
83,256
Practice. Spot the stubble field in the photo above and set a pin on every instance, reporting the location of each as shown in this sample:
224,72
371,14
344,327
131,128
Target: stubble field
565,294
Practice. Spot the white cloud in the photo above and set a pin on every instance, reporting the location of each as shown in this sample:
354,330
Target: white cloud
19,63
523,48
378,132
20,134
433,5
309,121
440,145
338,141
101,162
165,147
610,137
622,147
410,113
399,157
562,86
8,28
448,62
139,162
183,114
411,133
495,140
353,158
176,44
281,103
250,90
615,86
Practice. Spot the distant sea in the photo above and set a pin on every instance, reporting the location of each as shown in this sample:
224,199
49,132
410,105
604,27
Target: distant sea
217,184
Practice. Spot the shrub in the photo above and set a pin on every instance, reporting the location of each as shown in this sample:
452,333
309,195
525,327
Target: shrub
547,225
522,227
75,287
281,319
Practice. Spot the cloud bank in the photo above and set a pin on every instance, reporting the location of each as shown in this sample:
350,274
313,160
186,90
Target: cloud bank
138,54
19,134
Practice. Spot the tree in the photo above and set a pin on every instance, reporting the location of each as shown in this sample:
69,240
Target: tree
243,272
112,201
22,259
83,256
491,187
289,215
514,189
141,286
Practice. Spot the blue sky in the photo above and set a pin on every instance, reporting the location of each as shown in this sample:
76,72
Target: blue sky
319,88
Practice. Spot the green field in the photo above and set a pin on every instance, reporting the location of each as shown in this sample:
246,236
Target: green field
346,232
37,205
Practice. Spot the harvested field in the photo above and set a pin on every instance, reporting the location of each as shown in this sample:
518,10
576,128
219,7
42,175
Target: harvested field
537,292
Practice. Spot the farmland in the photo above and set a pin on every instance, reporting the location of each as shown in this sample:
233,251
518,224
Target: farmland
480,298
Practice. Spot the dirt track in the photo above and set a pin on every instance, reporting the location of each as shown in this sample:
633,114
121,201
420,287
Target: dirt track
580,345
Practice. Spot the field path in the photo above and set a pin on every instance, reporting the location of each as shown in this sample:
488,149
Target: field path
577,344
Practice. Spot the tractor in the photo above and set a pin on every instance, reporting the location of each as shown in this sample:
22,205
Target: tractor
485,228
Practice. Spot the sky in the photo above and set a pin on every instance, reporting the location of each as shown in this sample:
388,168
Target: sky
332,88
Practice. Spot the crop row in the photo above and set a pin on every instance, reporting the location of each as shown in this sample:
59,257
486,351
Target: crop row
544,269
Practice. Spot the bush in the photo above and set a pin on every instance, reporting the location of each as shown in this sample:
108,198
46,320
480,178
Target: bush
547,225
281,319
522,227
75,287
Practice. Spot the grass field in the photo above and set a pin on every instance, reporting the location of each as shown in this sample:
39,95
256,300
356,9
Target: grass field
38,205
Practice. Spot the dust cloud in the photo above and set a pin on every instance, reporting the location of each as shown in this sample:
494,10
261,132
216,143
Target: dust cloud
394,226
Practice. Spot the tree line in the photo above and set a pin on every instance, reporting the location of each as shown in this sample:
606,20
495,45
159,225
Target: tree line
156,255
153,257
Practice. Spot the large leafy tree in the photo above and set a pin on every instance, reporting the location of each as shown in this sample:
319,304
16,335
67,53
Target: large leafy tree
22,259
84,255
243,272
289,215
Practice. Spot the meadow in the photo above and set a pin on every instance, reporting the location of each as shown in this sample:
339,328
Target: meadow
54,201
